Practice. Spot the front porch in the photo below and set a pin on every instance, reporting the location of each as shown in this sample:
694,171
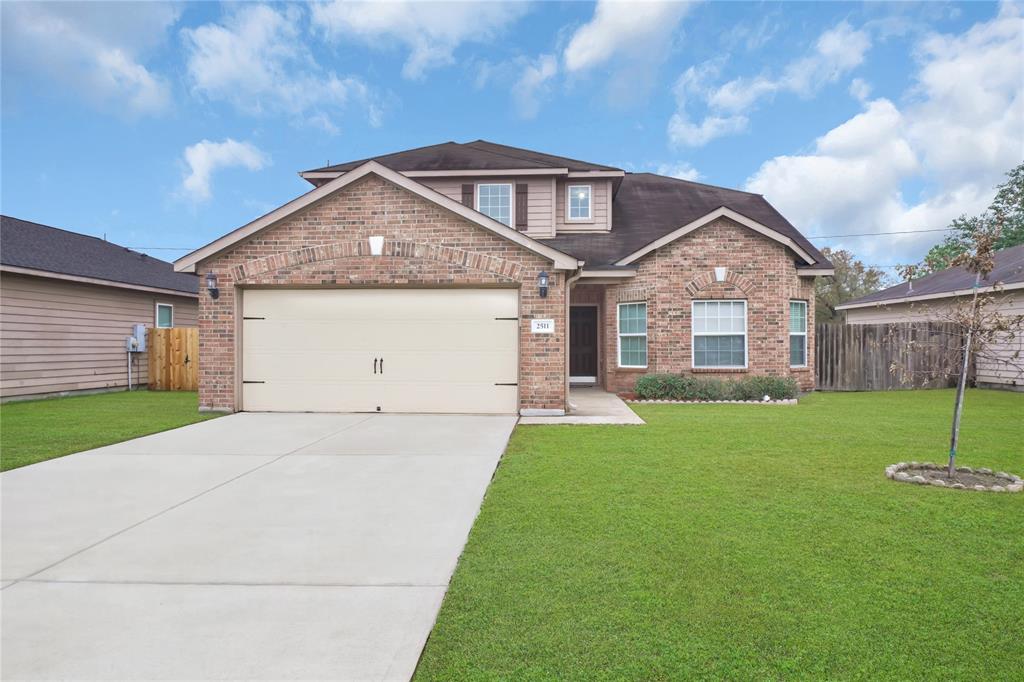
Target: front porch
591,405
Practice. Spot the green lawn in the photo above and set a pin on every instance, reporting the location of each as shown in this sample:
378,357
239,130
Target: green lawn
745,542
37,430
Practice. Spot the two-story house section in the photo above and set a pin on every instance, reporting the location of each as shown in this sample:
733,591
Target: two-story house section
477,277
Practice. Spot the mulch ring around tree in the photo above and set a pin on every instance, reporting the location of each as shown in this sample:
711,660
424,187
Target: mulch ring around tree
965,478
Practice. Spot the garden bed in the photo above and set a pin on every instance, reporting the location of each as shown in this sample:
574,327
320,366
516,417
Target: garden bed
964,478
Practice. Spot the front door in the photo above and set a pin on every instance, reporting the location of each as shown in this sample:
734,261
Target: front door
583,344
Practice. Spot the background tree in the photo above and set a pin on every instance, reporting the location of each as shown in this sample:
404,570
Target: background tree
852,280
1007,208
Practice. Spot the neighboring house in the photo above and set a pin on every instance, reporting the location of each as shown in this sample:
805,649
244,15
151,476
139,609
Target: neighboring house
478,277
67,302
930,297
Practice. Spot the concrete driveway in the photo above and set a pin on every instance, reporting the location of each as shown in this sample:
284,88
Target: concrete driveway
255,546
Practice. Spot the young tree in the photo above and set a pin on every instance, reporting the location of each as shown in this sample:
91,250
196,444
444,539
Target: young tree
852,280
984,331
1007,208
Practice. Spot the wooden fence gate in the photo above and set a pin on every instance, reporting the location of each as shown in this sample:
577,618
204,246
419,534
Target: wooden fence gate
857,357
173,359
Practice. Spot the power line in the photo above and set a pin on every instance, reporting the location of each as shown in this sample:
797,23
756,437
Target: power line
873,234
160,248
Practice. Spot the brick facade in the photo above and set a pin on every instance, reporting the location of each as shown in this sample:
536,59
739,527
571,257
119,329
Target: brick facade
326,245
760,271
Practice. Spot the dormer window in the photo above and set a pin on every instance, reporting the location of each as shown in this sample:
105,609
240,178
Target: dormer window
495,200
579,202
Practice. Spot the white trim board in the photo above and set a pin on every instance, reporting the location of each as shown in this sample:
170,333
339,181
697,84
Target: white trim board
15,270
720,212
930,297
561,261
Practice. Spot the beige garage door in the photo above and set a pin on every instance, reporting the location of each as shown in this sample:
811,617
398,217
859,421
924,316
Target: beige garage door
387,350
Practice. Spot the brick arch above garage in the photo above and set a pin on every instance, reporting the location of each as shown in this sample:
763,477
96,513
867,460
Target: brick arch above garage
351,261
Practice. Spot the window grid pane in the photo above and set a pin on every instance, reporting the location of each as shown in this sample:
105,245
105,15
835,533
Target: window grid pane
797,350
633,335
579,202
164,316
797,317
719,333
496,201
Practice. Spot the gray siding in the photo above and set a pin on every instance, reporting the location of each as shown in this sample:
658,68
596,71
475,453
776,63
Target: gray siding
58,336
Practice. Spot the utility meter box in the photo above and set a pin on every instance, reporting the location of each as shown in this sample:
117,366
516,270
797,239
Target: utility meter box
136,343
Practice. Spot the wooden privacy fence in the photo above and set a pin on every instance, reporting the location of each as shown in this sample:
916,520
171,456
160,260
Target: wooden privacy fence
173,359
857,357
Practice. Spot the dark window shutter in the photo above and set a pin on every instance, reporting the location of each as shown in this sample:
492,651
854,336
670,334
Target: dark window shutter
467,195
521,206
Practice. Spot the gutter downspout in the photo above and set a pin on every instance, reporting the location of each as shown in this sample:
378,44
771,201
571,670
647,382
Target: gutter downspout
569,281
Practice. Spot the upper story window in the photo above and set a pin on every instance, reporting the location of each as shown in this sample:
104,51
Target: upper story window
579,202
719,333
495,200
164,315
798,333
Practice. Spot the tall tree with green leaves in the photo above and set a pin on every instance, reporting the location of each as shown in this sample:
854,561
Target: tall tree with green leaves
852,280
1006,211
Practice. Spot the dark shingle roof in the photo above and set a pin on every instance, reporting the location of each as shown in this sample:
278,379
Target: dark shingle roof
1009,269
647,207
477,155
25,244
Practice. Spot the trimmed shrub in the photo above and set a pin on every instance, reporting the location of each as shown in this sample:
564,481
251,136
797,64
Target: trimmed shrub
688,387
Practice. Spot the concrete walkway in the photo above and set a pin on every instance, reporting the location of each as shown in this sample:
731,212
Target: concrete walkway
591,406
255,546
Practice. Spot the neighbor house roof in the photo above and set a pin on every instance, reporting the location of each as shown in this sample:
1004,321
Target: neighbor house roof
477,155
648,207
31,248
1008,272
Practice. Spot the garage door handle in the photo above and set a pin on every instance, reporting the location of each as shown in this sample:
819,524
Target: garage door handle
375,365
382,365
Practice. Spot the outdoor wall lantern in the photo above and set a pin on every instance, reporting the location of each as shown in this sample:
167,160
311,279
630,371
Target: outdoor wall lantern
211,285
542,283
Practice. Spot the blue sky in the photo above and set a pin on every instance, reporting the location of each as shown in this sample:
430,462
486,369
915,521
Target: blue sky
166,125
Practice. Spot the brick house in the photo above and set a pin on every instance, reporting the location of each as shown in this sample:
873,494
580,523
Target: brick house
484,278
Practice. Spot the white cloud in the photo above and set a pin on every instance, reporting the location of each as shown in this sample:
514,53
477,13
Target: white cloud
430,30
533,83
959,132
679,169
205,157
627,41
860,90
96,49
620,28
836,52
257,60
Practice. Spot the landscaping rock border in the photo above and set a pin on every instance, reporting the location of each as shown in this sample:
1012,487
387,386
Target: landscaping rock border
898,472
785,401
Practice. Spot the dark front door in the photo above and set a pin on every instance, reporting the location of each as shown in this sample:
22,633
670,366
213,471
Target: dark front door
583,341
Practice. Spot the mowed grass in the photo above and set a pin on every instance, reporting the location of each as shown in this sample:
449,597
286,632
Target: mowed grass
37,430
745,543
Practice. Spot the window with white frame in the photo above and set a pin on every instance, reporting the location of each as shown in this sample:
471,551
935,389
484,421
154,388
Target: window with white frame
798,333
579,202
632,335
719,333
164,315
495,200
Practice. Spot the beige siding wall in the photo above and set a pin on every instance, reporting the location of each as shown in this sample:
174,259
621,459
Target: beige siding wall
541,216
58,336
995,369
601,196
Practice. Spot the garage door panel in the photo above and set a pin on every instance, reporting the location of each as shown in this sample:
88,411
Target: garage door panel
307,396
443,350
